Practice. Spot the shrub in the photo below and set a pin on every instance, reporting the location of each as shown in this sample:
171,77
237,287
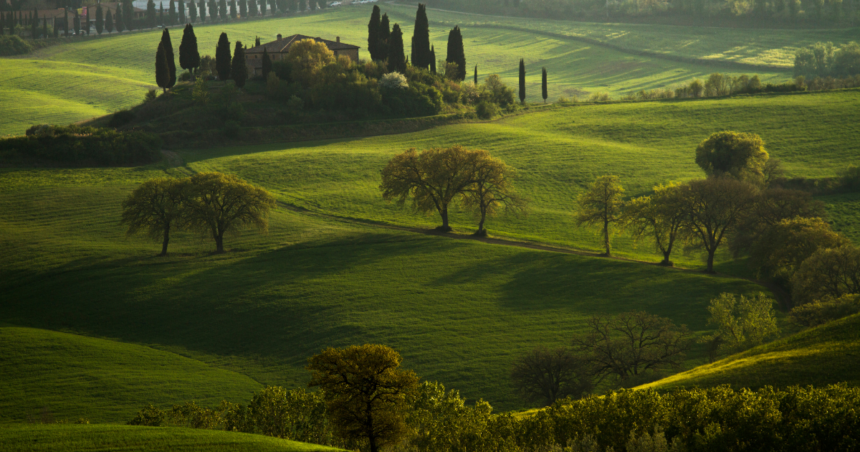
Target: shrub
121,118
151,95
76,146
14,45
487,110
200,93
393,80
850,178
149,416
820,312
186,76
599,97
295,104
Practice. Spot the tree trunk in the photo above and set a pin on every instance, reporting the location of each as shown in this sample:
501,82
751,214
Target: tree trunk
166,240
606,237
444,213
666,262
711,261
219,243
481,232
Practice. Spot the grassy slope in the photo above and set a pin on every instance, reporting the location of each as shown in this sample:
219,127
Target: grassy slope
458,311
73,376
560,151
818,356
62,438
76,81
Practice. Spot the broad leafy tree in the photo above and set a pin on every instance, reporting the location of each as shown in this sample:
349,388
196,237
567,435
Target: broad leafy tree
221,203
545,375
432,179
491,189
631,345
365,392
781,248
308,58
601,205
741,322
155,208
739,155
223,61
714,207
661,216
827,274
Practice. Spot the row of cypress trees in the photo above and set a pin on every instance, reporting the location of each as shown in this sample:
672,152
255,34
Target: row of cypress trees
385,43
544,88
227,66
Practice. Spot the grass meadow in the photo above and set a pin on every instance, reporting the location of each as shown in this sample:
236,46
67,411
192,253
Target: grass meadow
79,80
61,438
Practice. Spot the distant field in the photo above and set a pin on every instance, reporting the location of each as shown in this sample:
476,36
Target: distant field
80,80
70,377
63,438
818,356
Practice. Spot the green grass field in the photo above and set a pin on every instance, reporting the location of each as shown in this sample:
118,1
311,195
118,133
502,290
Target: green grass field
62,438
73,377
80,80
818,356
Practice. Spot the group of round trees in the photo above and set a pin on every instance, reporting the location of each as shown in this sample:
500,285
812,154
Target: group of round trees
213,204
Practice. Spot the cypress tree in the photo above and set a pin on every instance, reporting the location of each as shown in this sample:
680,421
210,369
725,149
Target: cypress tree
222,58
239,71
88,22
161,14
421,39
3,23
128,9
35,24
171,13
192,12
433,59
100,19
233,14
108,22
267,64
262,5
373,33
384,36
202,7
162,73
168,52
57,27
77,24
45,27
396,56
182,19
189,57
150,14
213,10
222,10
456,54
476,75
257,42
243,9
522,81
65,22
252,8
544,91
119,21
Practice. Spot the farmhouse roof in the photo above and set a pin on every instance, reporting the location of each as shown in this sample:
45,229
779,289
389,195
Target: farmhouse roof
283,45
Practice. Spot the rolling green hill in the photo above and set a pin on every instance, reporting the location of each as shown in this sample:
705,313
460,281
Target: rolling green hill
63,438
79,80
69,377
819,356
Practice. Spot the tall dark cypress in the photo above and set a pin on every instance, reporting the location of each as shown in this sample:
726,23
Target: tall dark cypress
267,64
222,58
202,7
162,72
65,22
544,90
192,12
151,14
456,54
373,34
239,71
100,19
182,19
189,56
476,75
168,52
108,23
433,59
222,10
119,21
522,81
35,23
233,14
257,42
421,39
45,27
171,13
77,24
384,36
161,14
396,56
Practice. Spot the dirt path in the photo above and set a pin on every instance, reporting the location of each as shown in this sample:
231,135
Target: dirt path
781,296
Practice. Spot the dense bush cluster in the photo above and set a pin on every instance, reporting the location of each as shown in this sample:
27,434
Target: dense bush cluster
826,60
79,146
715,419
13,45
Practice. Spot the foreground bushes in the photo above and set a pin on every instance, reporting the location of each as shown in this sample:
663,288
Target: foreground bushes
715,419
81,146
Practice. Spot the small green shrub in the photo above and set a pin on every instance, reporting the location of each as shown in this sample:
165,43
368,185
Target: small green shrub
487,110
77,146
850,178
149,416
151,95
121,118
14,45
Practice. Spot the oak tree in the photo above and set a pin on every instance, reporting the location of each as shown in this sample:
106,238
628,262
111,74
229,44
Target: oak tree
491,189
602,205
661,216
741,322
155,207
827,274
739,155
544,375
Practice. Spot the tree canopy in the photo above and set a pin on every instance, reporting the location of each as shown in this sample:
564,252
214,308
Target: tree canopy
154,208
739,155
546,375
189,56
223,61
602,205
661,216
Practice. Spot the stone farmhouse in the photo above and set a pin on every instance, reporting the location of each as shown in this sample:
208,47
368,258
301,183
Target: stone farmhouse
279,48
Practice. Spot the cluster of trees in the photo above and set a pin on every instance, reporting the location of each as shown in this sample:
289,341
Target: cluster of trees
367,401
434,179
757,12
213,204
79,146
826,60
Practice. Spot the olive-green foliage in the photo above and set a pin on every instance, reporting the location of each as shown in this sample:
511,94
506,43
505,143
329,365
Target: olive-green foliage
155,207
80,146
661,216
742,322
820,312
291,414
544,376
825,60
13,45
782,247
739,155
826,274
851,178
601,205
